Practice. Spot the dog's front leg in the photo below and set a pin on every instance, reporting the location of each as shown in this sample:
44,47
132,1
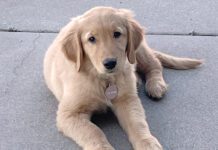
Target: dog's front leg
77,126
131,116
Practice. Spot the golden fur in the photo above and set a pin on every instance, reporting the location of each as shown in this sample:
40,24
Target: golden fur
74,72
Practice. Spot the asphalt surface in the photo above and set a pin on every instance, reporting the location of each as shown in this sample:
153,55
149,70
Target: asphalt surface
185,119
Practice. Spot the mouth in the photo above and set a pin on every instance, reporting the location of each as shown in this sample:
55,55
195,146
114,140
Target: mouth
111,71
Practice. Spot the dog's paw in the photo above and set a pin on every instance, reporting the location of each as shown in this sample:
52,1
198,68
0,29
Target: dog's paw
149,144
156,88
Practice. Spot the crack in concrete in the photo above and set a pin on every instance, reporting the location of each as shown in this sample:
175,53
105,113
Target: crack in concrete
192,33
17,67
7,89
28,31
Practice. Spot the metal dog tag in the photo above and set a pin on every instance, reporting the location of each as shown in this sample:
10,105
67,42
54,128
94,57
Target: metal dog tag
111,92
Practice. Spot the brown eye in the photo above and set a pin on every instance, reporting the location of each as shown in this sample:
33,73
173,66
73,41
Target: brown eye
117,34
92,39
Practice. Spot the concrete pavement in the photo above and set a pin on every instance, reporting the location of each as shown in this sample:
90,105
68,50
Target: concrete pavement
186,118
174,17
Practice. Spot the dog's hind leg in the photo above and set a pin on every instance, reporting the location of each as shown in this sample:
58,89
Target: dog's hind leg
151,66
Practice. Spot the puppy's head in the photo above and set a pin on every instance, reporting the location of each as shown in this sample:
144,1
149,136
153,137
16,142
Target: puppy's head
107,36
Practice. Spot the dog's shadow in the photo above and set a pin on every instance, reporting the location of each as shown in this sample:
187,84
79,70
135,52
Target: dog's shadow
103,119
109,124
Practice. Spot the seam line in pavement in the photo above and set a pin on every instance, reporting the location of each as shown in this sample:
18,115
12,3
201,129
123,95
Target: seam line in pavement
193,33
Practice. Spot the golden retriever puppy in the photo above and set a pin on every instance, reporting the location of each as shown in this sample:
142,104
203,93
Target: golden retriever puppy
91,66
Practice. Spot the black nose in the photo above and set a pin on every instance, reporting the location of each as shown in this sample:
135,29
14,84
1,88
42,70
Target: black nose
110,63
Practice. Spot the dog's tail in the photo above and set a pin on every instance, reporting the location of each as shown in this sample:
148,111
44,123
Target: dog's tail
176,62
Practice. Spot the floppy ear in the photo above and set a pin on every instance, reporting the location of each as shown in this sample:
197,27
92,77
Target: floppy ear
135,34
71,44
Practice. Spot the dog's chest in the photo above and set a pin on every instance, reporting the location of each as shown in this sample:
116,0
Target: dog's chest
112,91
103,91
106,91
